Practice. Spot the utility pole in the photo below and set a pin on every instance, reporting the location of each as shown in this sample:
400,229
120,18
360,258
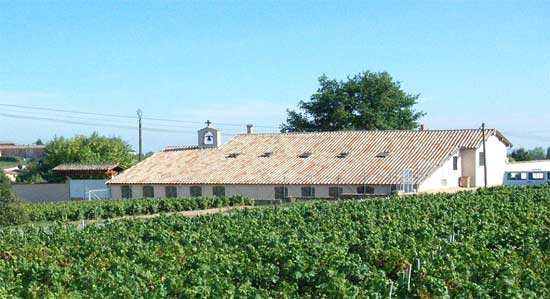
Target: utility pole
484,155
140,114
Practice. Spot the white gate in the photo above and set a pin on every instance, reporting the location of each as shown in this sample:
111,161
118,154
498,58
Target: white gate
81,189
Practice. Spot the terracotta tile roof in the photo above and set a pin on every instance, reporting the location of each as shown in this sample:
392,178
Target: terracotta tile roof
85,167
21,146
346,157
180,148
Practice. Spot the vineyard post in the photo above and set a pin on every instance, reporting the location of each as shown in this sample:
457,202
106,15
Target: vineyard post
409,279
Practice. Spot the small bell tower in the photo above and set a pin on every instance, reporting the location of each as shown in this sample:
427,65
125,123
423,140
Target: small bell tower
209,136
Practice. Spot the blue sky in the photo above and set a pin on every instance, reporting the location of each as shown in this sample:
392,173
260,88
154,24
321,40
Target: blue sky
247,62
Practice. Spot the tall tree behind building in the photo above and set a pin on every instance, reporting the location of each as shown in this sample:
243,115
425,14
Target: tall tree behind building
366,101
536,153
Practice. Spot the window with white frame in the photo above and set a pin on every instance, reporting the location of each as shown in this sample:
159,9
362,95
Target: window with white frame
537,176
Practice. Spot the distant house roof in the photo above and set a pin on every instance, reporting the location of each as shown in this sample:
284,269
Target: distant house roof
87,167
9,145
371,157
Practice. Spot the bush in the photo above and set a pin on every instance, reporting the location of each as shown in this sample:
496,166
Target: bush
6,192
13,214
9,159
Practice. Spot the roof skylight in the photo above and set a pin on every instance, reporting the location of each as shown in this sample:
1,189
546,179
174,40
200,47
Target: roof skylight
382,155
305,154
343,154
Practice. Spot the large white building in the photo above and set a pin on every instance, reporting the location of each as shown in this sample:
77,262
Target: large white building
318,164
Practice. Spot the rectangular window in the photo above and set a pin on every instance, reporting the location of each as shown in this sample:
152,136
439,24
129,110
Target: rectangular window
365,190
308,191
481,159
218,191
148,191
281,192
523,175
537,176
455,163
195,191
512,176
170,191
335,192
126,191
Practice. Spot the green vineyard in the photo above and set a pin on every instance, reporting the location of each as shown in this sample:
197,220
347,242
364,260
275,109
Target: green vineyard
493,243
105,209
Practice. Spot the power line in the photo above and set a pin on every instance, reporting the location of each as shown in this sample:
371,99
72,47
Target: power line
80,118
64,121
126,116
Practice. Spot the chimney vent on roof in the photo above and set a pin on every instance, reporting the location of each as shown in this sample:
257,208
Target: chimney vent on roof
249,129
422,127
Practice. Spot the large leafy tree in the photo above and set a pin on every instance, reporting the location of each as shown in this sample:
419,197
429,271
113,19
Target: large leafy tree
92,149
366,101
78,149
522,154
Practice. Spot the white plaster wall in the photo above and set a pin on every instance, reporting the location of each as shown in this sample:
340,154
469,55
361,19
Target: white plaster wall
444,172
262,192
116,191
496,162
159,191
528,166
137,191
468,165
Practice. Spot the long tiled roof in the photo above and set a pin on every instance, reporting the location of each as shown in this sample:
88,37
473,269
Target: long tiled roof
85,167
345,157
